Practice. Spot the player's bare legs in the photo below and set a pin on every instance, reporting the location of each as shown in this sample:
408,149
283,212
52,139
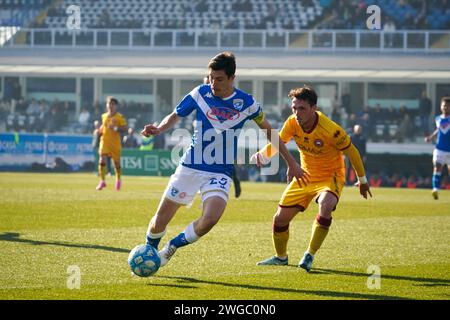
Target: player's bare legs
102,172
157,226
213,209
327,202
280,235
118,170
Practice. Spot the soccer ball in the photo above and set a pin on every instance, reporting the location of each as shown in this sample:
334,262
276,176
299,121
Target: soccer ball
144,260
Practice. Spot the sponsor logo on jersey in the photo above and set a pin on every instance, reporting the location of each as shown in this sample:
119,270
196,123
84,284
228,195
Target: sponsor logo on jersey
318,143
222,114
238,103
309,150
208,95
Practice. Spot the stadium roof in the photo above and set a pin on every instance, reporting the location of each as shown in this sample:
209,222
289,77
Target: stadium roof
192,65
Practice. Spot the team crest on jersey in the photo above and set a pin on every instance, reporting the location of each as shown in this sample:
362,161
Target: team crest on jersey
238,103
222,114
174,192
445,127
318,143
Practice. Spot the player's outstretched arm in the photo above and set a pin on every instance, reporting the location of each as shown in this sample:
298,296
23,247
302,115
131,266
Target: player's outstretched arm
294,170
431,136
355,158
155,129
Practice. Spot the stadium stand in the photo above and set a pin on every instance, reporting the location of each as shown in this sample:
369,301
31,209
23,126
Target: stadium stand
404,14
235,14
185,14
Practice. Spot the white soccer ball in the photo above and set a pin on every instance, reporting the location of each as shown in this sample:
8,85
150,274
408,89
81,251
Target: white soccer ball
144,260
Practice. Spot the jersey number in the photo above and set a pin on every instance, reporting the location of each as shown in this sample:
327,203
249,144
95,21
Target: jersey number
222,182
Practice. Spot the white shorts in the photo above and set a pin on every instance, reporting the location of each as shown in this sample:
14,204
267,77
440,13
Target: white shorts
441,157
186,182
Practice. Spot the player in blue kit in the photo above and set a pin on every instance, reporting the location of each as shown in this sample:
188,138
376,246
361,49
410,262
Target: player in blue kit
441,152
208,163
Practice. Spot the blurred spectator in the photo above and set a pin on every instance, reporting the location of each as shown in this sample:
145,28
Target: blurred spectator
96,111
160,142
84,120
360,142
41,119
351,121
130,140
64,119
336,114
33,107
424,113
392,115
405,129
286,112
52,120
147,143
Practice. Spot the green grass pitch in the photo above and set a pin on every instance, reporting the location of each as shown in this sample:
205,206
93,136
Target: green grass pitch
50,222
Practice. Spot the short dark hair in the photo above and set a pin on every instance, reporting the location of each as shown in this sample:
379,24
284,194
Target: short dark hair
224,61
112,99
304,93
445,99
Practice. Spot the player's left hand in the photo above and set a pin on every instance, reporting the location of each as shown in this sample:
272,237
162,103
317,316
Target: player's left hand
259,159
296,171
364,189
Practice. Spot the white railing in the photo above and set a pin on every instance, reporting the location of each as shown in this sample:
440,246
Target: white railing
410,41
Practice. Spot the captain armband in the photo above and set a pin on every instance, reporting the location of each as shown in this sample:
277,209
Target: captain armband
260,118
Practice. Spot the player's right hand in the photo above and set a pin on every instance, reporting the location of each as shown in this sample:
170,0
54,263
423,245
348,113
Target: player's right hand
296,171
150,130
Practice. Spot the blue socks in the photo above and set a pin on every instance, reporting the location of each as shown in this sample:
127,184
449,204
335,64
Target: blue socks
436,181
153,242
179,240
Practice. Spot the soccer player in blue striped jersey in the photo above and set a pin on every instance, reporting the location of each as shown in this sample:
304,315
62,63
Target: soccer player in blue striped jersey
441,152
207,165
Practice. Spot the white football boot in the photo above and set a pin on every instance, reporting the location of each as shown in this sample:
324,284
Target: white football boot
166,253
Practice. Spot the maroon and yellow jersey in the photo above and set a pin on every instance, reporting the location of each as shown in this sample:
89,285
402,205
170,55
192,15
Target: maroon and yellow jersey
321,149
110,141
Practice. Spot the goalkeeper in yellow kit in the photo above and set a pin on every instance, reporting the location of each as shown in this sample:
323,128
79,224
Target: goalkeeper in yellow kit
321,144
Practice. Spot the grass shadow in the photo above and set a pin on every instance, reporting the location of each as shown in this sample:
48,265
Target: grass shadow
15,237
319,293
422,281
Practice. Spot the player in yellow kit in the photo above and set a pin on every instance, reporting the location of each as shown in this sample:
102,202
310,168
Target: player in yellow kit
321,144
113,123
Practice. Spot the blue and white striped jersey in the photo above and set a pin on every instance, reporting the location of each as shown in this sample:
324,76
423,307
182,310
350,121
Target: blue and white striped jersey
216,129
